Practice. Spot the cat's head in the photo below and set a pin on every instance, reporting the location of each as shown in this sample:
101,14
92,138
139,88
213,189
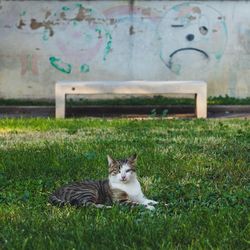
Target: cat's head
122,171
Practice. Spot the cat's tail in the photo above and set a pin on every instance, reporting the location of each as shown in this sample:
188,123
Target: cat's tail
56,201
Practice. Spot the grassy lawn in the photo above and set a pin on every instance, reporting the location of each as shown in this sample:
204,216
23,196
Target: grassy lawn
201,168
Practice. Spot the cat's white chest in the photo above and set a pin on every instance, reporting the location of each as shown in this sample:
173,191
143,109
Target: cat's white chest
133,189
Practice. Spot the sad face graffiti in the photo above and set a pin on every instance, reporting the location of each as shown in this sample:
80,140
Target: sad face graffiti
191,35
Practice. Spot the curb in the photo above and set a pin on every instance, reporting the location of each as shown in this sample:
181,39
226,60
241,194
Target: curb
112,110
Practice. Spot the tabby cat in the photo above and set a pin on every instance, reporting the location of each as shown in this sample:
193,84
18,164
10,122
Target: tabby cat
121,186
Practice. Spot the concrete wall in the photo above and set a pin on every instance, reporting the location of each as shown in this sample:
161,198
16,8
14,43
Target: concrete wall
45,41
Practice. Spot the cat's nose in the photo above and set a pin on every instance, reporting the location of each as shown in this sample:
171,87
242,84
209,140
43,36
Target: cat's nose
123,178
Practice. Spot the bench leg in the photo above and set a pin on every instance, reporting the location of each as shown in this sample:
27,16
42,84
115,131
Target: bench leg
201,105
60,106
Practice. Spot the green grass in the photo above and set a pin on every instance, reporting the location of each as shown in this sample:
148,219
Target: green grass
156,100
201,168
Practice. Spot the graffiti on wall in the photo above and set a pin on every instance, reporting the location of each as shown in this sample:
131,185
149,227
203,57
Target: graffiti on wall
189,35
76,33
80,35
29,64
195,30
244,36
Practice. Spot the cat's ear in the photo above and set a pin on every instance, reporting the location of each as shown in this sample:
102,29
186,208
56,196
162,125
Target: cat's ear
132,159
111,161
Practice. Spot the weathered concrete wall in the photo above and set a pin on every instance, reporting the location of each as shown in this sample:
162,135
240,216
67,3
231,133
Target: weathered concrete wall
45,41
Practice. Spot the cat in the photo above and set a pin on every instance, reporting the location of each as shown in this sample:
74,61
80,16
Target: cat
122,186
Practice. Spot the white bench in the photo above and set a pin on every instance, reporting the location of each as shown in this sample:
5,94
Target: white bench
198,88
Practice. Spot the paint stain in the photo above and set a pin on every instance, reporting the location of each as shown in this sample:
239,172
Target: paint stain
176,68
46,35
112,21
191,18
60,65
218,56
79,5
65,8
146,12
29,63
21,24
84,68
46,24
82,14
131,30
47,14
108,47
196,10
99,33
63,16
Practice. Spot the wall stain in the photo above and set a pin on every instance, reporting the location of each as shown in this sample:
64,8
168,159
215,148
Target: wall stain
29,63
112,21
21,24
46,24
63,16
131,6
131,30
84,14
47,14
146,12
196,10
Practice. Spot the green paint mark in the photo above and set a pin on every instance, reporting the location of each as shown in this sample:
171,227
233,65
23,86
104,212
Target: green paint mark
60,65
23,13
84,68
79,5
65,8
90,11
108,46
178,7
176,68
75,23
99,31
218,55
46,35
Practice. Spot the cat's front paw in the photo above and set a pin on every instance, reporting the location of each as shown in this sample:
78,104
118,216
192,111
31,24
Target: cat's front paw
150,207
151,202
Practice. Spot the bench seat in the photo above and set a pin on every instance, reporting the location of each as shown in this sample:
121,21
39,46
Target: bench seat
198,88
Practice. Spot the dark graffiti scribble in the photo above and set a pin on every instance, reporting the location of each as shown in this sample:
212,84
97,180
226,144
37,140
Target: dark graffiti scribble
198,50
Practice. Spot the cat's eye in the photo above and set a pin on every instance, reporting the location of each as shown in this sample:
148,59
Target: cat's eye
128,170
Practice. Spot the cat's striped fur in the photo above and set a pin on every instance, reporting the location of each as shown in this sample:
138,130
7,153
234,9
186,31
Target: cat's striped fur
122,186
83,193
